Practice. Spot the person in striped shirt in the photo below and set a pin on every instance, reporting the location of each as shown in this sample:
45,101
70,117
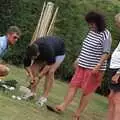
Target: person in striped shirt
91,63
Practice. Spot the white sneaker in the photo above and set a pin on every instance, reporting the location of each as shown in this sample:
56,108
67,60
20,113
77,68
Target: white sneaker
42,101
28,96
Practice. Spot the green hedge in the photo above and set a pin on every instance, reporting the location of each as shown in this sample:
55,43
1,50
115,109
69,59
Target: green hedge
70,25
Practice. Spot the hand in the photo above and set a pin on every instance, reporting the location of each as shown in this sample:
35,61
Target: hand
115,79
96,69
75,64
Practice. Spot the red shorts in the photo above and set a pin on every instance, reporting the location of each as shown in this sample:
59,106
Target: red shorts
84,78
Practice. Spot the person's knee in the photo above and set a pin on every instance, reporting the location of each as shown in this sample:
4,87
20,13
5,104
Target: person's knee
50,74
116,98
4,71
51,71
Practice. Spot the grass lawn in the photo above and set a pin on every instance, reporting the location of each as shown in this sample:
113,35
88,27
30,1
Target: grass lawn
11,109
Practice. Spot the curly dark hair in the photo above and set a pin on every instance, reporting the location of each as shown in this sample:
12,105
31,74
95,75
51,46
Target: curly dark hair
98,19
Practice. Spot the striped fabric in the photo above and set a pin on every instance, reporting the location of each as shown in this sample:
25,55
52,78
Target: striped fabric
93,49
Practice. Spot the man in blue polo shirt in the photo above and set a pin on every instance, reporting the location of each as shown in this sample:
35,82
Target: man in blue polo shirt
43,57
10,38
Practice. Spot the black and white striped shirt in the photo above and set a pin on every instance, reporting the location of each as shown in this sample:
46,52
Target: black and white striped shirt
94,46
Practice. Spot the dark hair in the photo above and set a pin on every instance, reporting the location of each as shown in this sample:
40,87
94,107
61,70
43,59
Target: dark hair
98,19
32,50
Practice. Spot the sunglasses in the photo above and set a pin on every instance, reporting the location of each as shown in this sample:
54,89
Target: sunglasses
15,37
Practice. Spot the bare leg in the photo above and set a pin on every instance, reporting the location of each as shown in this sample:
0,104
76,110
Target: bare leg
4,70
111,106
48,83
50,77
83,103
116,111
35,71
68,99
33,85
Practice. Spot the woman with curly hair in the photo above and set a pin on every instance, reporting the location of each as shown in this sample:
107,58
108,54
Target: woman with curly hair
91,63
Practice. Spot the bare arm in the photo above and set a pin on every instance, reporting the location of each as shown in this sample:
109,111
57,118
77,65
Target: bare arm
106,50
104,57
75,63
44,70
29,72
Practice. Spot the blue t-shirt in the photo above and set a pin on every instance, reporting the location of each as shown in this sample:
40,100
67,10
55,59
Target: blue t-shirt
3,45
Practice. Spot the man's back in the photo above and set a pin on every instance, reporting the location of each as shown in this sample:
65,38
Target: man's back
56,43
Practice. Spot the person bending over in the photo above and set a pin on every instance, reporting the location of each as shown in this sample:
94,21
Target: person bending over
43,57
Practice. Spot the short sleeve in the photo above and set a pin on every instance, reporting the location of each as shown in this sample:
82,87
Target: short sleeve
107,42
2,47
